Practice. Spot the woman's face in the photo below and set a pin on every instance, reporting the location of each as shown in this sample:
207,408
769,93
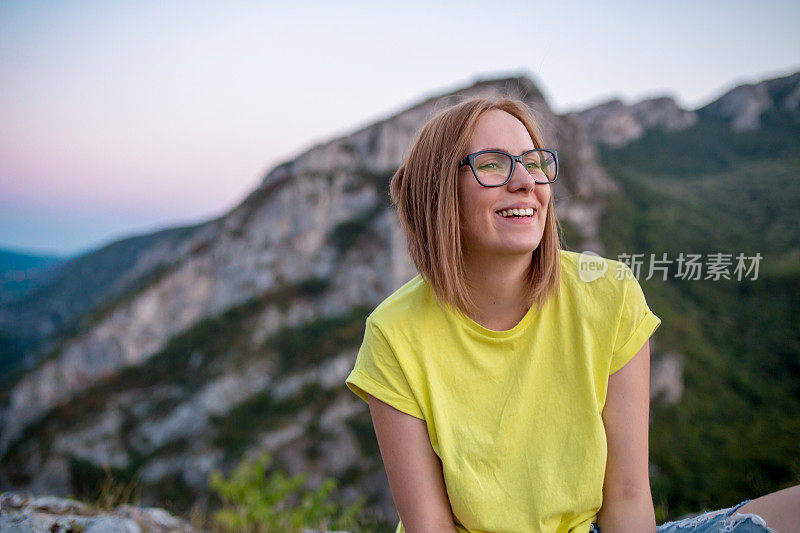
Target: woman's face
483,229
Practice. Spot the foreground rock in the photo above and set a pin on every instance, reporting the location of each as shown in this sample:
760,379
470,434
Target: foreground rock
24,513
21,512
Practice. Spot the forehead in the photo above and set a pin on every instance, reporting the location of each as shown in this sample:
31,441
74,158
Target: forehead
498,129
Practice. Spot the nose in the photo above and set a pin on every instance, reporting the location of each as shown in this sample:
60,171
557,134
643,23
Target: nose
521,178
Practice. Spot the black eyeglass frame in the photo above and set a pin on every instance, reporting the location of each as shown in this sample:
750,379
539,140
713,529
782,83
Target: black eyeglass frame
469,159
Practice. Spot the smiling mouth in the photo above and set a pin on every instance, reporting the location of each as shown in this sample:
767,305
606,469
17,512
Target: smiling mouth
517,213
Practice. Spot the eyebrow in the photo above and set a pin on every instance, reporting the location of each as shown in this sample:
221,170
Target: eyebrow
502,150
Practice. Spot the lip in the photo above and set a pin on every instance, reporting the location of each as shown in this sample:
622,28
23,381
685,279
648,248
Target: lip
518,220
518,206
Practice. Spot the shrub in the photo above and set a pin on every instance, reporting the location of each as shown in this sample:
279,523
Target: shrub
254,502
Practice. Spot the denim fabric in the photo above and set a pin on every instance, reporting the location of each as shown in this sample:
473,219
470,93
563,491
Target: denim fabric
721,520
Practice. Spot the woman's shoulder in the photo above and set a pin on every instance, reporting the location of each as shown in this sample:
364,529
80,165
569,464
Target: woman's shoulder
588,274
405,304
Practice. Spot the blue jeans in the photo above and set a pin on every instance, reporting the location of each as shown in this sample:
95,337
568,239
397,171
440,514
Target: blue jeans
714,522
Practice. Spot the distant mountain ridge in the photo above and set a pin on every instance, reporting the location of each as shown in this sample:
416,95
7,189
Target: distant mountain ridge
16,260
19,271
615,124
169,353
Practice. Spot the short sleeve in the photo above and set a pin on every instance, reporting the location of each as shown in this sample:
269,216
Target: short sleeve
636,322
378,372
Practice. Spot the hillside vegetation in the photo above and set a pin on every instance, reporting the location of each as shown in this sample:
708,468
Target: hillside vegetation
734,434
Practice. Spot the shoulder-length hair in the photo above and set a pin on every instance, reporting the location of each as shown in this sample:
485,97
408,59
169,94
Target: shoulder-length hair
424,191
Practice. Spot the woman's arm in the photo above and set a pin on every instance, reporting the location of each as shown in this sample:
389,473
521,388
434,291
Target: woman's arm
627,502
413,469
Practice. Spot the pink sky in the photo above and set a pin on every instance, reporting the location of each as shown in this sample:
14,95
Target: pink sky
122,118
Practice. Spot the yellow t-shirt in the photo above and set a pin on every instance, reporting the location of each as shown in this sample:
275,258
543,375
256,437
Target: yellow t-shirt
514,416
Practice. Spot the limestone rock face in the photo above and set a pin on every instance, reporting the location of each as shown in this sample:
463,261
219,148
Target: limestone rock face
615,124
743,106
666,378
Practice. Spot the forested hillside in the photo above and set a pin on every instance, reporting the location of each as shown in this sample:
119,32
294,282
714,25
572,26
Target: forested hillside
735,433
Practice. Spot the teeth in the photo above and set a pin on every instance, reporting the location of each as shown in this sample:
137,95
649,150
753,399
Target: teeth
528,212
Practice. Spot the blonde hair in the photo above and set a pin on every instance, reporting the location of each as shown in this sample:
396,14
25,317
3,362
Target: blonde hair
424,191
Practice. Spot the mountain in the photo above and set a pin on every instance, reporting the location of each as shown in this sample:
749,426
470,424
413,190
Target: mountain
615,124
20,273
187,330
718,191
139,293
62,304
12,260
168,355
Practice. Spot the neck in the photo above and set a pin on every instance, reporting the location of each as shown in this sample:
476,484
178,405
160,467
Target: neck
497,286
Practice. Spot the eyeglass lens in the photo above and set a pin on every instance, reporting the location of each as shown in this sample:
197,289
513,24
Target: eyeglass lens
493,168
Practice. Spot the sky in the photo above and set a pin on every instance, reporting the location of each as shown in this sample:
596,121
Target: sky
119,118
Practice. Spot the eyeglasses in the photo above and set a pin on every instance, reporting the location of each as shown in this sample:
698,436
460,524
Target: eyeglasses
493,168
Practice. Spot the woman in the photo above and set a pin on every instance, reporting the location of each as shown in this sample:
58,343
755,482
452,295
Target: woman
508,382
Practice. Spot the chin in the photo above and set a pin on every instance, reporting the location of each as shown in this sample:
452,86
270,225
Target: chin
519,250
523,246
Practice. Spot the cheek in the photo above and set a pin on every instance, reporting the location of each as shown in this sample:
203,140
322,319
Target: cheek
466,205
473,215
545,195
467,214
